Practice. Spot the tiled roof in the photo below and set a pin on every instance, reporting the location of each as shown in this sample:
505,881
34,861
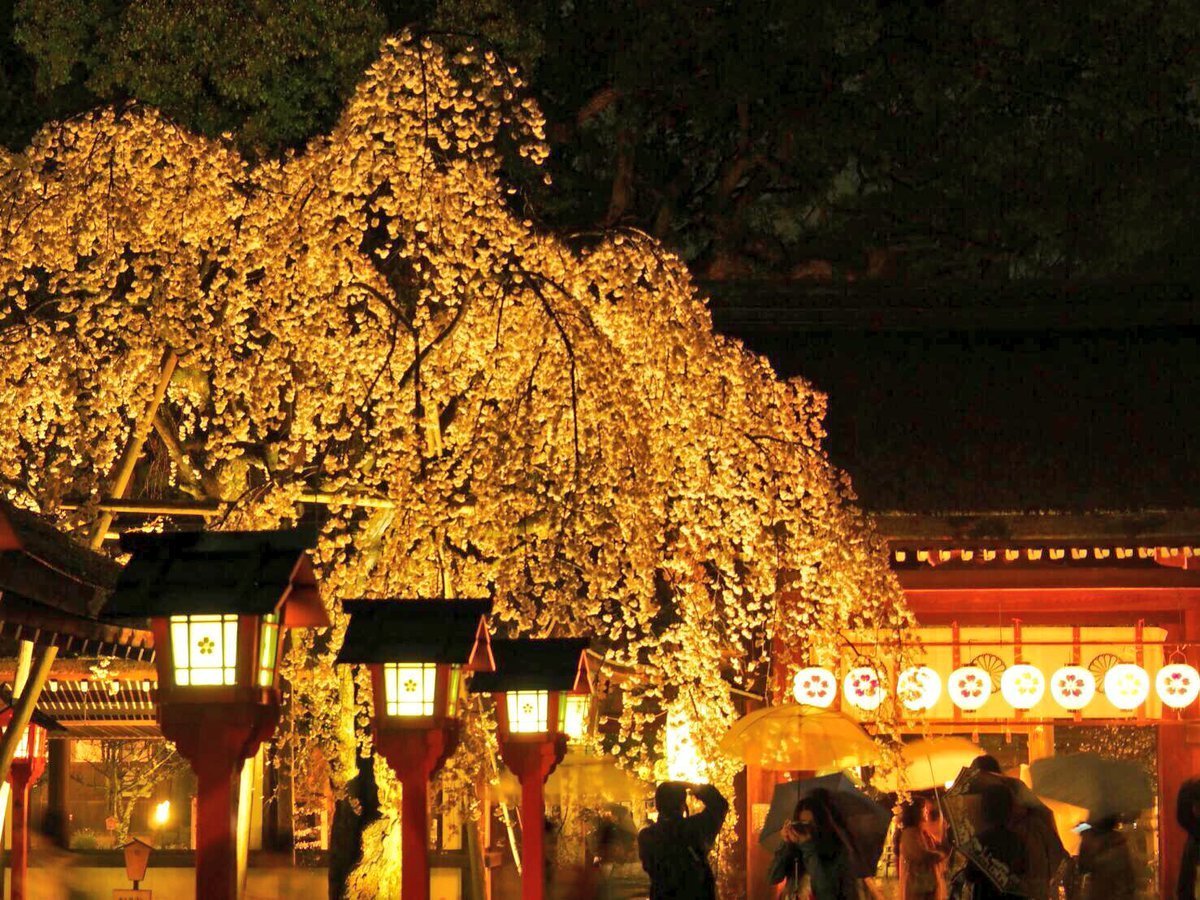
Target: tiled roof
207,572
550,664
42,563
435,631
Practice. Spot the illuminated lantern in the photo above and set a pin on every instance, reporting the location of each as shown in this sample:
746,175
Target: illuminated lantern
1022,686
532,684
863,688
969,687
1178,685
1126,686
417,652
577,719
814,686
28,764
919,688
1072,687
217,603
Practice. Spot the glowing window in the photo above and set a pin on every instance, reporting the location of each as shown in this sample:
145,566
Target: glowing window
528,711
409,688
268,650
205,649
575,719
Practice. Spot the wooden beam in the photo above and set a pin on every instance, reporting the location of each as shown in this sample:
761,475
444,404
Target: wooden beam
1048,579
133,450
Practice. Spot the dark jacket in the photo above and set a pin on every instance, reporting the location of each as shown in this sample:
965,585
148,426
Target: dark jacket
1004,845
674,851
1185,813
1107,865
824,860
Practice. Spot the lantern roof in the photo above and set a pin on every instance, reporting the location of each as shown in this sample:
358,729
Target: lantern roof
544,664
418,631
218,572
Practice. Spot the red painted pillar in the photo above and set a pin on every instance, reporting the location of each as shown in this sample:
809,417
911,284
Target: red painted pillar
1178,760
532,761
19,779
216,738
415,753
216,855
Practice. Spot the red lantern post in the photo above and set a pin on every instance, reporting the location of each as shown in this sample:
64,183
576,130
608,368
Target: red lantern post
417,651
538,686
28,764
218,603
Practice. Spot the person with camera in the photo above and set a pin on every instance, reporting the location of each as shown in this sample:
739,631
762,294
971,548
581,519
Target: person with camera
814,858
674,850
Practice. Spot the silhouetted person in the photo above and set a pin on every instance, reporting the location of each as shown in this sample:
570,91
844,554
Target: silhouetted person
987,763
1187,812
999,841
674,850
1106,863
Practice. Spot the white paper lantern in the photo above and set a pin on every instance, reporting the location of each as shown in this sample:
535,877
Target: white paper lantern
1072,687
1178,685
1126,686
969,687
1022,686
919,688
863,688
814,686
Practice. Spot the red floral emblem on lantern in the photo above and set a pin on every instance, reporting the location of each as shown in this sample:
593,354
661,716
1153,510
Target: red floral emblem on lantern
814,686
1073,687
1178,685
970,687
863,688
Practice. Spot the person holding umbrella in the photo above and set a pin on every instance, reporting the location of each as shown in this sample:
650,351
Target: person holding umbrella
922,854
999,843
1106,863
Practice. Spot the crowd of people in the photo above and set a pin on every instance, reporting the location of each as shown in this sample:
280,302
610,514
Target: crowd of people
815,859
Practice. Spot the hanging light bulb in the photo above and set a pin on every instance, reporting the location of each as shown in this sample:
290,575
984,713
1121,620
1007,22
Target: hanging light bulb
969,687
1178,685
863,688
919,688
1072,687
814,686
1022,686
1126,686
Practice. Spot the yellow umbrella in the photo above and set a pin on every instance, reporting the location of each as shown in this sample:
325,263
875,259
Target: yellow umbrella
799,738
929,763
582,775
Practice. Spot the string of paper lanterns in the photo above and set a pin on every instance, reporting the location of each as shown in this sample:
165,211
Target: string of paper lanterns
1023,686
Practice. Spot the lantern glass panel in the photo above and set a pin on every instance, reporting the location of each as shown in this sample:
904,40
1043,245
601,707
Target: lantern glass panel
452,689
410,688
204,649
268,650
22,751
528,711
575,716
